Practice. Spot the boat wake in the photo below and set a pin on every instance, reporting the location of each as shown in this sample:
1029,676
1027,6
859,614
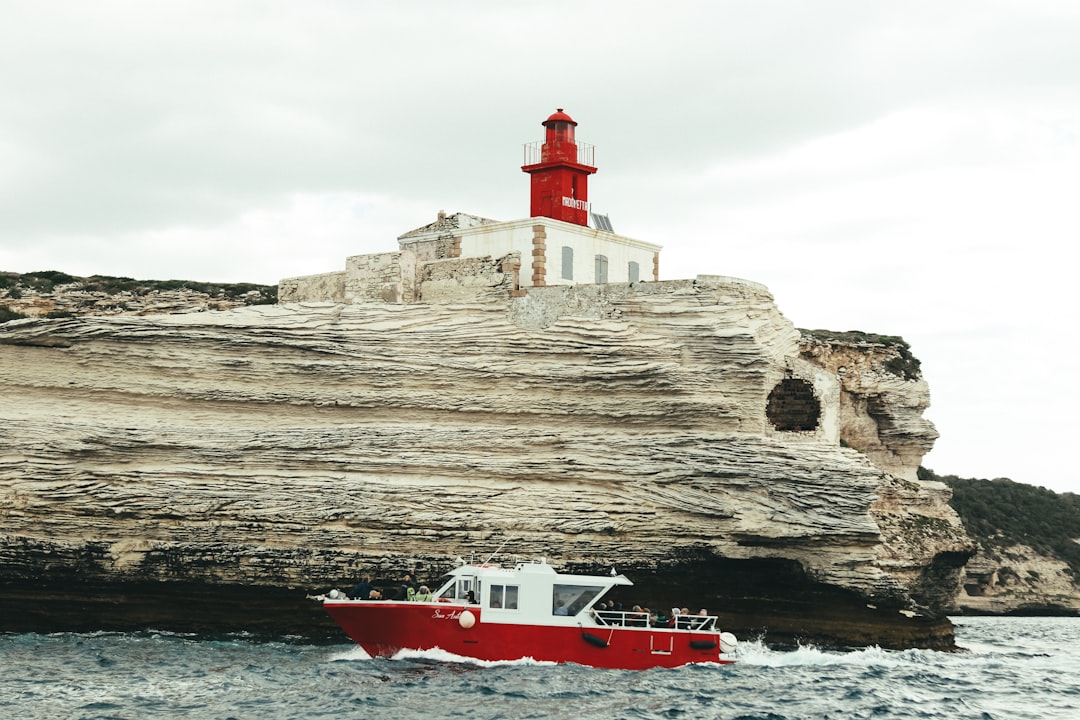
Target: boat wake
755,652
433,655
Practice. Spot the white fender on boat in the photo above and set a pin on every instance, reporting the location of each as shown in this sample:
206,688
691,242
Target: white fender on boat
728,642
466,619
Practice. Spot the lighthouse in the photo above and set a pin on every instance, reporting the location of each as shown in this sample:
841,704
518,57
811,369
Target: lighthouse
465,258
559,171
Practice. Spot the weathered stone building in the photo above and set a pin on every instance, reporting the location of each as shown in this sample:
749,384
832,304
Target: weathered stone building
464,247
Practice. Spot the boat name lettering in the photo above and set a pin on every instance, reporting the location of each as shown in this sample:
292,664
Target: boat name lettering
440,615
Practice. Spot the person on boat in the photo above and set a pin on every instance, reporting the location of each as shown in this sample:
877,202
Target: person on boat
422,595
408,587
470,597
362,590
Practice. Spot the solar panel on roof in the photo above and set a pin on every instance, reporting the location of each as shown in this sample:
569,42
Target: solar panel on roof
601,222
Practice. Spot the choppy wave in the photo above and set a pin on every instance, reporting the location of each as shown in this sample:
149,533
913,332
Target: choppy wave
1011,668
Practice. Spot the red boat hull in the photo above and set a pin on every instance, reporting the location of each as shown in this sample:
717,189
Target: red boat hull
384,628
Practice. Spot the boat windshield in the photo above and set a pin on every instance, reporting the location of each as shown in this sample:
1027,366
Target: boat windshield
458,589
572,599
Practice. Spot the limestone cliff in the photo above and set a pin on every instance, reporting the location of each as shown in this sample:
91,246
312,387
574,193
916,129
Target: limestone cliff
1017,579
206,470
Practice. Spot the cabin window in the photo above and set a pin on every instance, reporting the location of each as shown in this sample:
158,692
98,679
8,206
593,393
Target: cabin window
503,596
633,272
572,599
601,269
567,262
458,590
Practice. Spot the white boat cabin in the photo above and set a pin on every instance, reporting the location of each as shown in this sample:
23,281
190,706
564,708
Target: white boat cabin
533,593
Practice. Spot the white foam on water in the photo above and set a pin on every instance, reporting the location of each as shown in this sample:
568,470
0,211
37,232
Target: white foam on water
440,655
353,653
358,653
754,652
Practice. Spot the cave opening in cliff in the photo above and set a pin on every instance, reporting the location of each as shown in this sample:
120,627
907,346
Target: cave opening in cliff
793,406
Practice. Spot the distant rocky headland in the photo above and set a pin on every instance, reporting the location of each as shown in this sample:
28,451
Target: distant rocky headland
199,459
1028,538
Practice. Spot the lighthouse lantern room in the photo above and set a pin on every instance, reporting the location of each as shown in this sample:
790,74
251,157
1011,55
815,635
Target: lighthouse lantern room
560,170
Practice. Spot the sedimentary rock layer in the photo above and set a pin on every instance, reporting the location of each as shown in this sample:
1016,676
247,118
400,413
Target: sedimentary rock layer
286,449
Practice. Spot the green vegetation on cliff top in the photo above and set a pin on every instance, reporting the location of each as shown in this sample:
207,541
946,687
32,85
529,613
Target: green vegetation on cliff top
45,281
1000,512
904,364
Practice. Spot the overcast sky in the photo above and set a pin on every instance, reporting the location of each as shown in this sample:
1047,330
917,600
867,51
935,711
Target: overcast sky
906,168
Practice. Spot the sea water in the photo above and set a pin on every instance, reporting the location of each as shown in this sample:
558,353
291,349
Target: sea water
1011,668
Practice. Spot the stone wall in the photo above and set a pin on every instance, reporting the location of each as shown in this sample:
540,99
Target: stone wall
376,278
462,280
327,287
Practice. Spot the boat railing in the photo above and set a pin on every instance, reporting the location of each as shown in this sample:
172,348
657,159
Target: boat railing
616,618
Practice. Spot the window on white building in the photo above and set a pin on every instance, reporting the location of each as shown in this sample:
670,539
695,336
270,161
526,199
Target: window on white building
567,262
633,272
601,269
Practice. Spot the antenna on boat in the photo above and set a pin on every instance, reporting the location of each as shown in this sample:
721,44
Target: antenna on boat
508,539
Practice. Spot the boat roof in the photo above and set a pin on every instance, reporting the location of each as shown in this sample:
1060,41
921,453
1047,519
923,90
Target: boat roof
536,569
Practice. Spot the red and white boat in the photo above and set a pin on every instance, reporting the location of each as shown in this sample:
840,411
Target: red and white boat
529,611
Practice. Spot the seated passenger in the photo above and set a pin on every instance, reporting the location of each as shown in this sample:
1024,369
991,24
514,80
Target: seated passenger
423,594
361,590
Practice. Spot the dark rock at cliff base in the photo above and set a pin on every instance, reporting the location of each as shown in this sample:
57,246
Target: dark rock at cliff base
769,601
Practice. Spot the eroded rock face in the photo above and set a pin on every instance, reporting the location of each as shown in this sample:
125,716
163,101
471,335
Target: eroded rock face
882,400
1017,579
289,447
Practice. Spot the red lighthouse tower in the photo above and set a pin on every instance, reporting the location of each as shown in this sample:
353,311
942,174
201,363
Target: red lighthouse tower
560,171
